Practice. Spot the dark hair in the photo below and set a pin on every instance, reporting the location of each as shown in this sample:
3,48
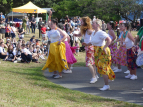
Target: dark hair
127,25
71,29
8,50
23,45
61,26
55,21
1,43
112,24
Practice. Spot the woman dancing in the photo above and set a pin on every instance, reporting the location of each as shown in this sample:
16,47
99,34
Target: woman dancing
102,53
56,60
86,31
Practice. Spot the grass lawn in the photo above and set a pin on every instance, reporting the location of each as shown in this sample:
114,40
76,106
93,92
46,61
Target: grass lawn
23,85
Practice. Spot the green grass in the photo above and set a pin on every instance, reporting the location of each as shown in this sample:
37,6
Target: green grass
23,85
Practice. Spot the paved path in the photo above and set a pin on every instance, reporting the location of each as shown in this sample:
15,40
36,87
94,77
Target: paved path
121,89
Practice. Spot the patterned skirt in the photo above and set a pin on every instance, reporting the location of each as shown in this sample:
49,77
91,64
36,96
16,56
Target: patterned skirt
103,62
121,56
113,49
131,59
89,55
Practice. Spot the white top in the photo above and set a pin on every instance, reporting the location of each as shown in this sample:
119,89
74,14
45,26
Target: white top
14,52
87,38
98,39
54,35
129,43
26,51
2,50
62,36
13,28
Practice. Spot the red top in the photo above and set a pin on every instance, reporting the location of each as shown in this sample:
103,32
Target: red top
43,30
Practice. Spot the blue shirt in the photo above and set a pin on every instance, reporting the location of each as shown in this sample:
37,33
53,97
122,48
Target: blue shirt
2,16
120,34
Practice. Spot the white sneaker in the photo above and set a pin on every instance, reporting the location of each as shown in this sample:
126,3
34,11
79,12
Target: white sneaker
115,68
53,75
127,72
67,71
15,62
133,77
105,87
142,89
57,77
71,68
97,76
128,76
118,70
93,80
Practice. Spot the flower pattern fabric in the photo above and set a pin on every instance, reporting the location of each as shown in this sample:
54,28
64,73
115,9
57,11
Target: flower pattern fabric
121,56
89,55
113,49
103,62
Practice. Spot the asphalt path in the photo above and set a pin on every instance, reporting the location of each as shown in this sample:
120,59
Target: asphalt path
121,89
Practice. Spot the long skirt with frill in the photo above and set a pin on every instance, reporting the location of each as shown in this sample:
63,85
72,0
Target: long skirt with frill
103,62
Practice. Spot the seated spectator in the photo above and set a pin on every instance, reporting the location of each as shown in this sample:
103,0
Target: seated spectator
27,46
39,53
23,41
37,42
34,55
26,55
43,31
34,49
18,50
44,40
32,40
45,51
21,32
3,53
11,54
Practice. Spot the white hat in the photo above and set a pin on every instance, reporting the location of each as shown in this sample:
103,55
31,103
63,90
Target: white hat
8,39
48,28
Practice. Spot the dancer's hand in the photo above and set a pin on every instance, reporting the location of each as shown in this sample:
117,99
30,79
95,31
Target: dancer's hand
59,43
84,44
104,49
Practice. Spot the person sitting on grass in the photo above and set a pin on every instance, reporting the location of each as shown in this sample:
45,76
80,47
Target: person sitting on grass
3,53
26,55
32,40
11,54
37,42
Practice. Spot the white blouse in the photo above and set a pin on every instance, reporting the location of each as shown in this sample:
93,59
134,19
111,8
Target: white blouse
98,39
87,38
54,35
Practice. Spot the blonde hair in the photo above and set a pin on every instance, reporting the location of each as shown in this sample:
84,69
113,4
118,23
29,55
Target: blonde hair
86,26
99,22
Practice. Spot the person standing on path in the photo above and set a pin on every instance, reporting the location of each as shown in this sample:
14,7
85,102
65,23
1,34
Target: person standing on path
57,53
102,53
86,31
33,24
128,39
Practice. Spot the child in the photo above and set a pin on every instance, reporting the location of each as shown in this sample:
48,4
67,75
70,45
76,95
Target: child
77,45
37,42
34,49
27,46
32,40
11,54
18,52
45,51
43,31
39,53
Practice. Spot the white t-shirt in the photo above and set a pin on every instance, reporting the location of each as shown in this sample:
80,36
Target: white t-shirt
13,28
26,51
2,50
98,39
54,35
62,36
87,38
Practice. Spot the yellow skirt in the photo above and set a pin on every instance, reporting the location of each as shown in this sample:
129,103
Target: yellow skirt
57,59
103,62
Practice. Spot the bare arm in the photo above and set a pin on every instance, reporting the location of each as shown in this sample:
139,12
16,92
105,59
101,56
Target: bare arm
131,37
63,34
108,42
113,35
49,18
137,39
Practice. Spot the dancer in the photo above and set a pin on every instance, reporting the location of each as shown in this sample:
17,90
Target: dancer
56,59
86,31
113,45
102,53
69,55
128,39
121,55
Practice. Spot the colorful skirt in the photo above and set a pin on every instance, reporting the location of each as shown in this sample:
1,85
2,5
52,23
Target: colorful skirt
131,59
103,62
69,55
113,49
89,55
121,56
